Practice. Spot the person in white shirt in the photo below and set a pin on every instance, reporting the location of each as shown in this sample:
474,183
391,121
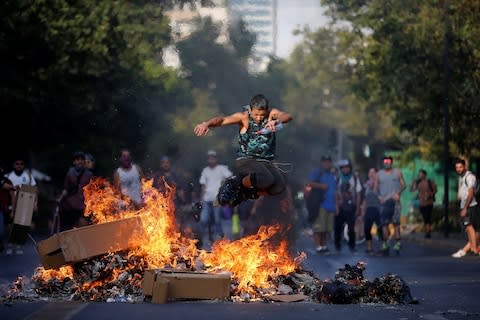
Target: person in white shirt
19,176
128,178
211,179
467,184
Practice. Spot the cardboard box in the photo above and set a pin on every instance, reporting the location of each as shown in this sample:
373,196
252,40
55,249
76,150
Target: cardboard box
86,242
160,291
187,285
25,202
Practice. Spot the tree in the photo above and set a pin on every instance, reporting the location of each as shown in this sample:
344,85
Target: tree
320,72
82,75
402,67
241,39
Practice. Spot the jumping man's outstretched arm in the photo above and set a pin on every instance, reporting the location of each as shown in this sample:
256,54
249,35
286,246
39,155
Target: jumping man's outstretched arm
277,116
203,128
280,116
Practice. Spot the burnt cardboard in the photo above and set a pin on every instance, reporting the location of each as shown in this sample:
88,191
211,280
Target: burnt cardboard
24,205
51,255
288,297
189,285
83,243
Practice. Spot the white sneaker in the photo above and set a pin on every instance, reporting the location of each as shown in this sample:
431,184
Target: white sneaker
9,251
459,254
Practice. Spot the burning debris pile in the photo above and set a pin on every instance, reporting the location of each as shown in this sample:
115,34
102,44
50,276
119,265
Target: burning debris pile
349,286
260,266
110,278
118,278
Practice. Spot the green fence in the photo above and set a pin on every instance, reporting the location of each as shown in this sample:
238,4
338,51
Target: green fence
434,173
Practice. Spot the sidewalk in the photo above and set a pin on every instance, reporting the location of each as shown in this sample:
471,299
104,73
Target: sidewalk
454,241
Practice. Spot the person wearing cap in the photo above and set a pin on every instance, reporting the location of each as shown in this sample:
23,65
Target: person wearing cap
210,181
347,204
390,185
256,173
72,202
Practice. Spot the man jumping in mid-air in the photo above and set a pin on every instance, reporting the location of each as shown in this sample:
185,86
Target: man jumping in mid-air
257,175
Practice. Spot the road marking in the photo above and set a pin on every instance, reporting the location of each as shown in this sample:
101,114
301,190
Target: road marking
57,310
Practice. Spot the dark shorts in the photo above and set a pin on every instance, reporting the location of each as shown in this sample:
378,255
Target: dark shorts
267,176
390,213
426,212
470,218
372,216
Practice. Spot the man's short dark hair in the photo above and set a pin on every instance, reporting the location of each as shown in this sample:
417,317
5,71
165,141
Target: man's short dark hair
423,171
388,157
458,160
259,101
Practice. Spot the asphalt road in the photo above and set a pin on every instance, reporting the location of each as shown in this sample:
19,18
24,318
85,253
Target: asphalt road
446,288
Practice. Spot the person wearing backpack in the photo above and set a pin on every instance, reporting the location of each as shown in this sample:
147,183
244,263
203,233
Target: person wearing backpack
426,195
467,187
320,203
347,204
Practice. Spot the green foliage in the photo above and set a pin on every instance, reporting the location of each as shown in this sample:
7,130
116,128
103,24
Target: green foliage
402,70
241,39
214,68
321,72
82,75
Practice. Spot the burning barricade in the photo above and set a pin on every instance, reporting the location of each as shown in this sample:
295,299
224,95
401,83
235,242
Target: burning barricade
132,255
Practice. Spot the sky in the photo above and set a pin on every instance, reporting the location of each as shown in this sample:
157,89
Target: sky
295,14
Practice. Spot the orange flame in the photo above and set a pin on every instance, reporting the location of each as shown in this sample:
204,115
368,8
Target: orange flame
161,244
253,260
104,204
59,274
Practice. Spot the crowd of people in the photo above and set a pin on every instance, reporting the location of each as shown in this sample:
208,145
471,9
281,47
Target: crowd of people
228,203
342,206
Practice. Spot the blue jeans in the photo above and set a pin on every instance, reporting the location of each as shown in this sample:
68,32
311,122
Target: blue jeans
211,215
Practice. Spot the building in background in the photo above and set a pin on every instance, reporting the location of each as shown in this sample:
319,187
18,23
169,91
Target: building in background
260,17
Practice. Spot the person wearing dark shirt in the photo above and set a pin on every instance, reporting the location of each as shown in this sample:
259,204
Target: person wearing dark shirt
72,199
257,174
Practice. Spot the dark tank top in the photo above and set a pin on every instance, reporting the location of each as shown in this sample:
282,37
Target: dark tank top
252,144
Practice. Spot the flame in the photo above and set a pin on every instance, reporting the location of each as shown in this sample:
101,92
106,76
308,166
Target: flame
161,244
59,274
253,261
105,204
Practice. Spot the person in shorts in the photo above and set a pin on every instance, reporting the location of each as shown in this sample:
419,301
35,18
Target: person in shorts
323,224
467,184
390,185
